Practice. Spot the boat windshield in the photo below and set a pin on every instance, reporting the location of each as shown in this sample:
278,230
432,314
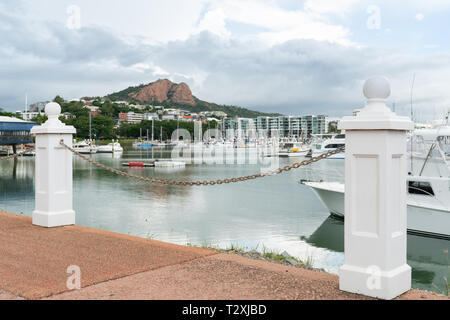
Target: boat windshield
428,157
444,144
334,145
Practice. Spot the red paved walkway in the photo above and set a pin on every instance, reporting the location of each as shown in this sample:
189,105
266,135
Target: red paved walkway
34,261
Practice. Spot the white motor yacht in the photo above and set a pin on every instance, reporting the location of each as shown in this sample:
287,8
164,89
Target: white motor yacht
328,145
85,147
110,148
428,192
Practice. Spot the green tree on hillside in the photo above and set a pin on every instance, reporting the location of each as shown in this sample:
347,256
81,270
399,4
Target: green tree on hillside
40,119
59,100
104,127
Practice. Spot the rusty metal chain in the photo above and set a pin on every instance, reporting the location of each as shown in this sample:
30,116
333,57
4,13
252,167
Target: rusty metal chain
206,183
16,155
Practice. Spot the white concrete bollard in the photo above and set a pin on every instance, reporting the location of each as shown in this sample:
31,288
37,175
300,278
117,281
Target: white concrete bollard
375,198
53,178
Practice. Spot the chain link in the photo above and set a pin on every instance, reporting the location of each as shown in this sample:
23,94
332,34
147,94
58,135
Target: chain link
16,155
206,183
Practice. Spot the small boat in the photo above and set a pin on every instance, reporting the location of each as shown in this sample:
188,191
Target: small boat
294,152
85,147
110,148
329,145
138,164
169,164
143,144
292,148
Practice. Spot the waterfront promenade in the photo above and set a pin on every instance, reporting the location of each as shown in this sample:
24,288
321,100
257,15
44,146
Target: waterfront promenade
34,262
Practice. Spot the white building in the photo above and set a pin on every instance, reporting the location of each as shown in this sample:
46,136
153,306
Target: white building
137,106
167,117
28,116
151,116
126,103
92,108
131,117
283,126
214,114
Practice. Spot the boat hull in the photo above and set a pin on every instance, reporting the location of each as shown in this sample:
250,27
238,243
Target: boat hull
85,150
293,154
107,149
420,220
340,155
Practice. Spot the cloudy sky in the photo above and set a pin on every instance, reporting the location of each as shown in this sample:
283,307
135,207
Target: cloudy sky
287,56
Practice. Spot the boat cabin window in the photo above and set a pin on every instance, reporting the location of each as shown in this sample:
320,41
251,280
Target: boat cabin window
340,136
334,145
420,187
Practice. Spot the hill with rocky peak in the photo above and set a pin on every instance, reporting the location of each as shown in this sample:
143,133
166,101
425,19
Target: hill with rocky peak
165,92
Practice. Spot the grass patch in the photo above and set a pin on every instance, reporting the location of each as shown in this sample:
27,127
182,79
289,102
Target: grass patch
253,253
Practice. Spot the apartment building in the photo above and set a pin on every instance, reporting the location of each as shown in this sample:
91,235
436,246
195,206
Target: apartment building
131,117
283,126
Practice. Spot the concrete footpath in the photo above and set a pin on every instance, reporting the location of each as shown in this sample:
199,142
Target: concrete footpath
34,262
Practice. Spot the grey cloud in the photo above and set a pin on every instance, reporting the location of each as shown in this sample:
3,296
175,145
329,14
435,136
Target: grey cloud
301,76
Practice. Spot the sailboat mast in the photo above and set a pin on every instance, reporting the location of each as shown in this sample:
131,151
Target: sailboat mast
90,127
153,129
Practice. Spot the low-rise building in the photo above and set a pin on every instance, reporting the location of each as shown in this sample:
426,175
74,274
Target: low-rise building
137,106
151,116
167,117
214,113
28,116
14,131
131,117
68,115
124,103
93,108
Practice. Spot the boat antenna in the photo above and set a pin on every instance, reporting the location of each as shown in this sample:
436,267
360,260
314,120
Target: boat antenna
412,135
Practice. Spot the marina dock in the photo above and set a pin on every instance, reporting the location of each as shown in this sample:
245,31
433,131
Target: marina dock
164,163
35,261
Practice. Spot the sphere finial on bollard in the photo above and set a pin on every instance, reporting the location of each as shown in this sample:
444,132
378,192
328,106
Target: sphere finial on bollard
52,110
377,88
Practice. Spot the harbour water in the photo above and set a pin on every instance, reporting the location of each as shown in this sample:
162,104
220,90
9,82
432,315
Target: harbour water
277,212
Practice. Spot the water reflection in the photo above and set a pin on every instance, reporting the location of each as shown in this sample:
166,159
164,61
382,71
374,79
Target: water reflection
276,212
426,256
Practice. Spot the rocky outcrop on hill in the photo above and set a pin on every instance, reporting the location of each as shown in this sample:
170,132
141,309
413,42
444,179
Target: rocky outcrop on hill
178,95
164,90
